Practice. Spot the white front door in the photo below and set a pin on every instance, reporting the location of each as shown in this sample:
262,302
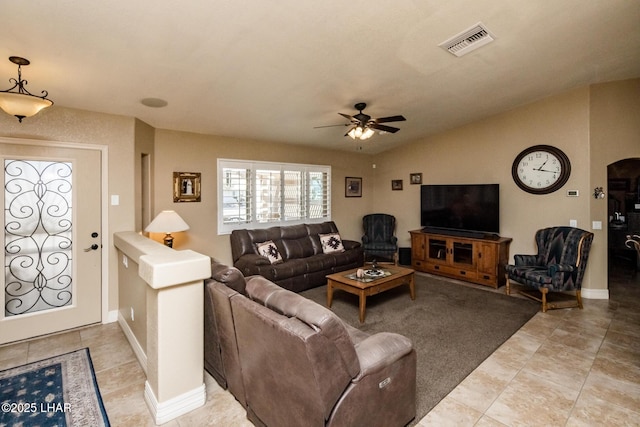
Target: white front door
52,239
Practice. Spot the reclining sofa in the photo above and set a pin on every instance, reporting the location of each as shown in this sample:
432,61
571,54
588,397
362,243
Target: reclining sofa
292,362
296,257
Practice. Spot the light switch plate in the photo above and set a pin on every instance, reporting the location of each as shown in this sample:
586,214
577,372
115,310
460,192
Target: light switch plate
573,223
596,225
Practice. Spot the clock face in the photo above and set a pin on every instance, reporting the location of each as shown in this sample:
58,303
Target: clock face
541,169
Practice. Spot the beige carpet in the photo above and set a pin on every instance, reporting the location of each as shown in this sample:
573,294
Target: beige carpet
453,327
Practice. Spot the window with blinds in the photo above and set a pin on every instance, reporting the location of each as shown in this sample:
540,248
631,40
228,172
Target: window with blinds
265,194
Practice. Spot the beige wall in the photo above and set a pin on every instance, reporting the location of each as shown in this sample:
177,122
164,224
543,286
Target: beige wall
133,300
483,152
189,152
143,199
615,135
114,132
594,126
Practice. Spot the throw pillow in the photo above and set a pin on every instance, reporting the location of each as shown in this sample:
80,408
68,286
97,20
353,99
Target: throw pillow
331,243
269,250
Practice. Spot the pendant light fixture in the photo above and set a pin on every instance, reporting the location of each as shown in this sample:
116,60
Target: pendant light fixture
17,100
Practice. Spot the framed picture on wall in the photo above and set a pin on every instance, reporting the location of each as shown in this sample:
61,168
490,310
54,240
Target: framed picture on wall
352,187
186,187
415,178
396,184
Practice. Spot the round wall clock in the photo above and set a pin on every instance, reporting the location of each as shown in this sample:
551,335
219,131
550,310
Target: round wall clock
541,169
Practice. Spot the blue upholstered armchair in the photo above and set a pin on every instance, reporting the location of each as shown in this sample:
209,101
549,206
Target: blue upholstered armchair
379,241
559,265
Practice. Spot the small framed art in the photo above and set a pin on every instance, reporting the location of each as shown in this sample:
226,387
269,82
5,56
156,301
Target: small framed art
186,187
352,187
396,184
415,178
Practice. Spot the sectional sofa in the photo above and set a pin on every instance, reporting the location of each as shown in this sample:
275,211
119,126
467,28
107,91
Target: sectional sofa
292,362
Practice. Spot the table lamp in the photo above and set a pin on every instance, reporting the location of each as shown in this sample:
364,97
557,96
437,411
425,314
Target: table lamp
167,222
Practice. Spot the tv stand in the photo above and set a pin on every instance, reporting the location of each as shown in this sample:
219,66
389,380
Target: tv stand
477,257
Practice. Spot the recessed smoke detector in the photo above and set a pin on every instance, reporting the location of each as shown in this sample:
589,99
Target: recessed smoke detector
468,40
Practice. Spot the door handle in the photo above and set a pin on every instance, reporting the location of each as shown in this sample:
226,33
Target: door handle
92,248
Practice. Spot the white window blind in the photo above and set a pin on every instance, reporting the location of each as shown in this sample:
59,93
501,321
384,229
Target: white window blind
265,194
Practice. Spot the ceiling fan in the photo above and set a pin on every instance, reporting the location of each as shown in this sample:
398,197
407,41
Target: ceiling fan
363,126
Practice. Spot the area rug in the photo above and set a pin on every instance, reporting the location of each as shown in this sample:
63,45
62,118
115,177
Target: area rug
454,328
59,391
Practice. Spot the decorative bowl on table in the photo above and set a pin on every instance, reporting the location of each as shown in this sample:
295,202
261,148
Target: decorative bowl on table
374,273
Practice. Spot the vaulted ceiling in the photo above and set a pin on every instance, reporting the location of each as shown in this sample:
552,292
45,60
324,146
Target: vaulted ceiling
274,70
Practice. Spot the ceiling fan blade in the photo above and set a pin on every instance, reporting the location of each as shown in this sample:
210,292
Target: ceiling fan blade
331,126
390,119
383,128
346,116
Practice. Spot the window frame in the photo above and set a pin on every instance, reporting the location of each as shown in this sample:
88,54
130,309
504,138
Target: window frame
250,191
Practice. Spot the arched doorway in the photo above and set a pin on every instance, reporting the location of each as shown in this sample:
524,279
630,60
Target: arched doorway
623,213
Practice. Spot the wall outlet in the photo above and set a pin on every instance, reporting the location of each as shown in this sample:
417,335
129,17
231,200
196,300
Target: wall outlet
125,261
133,315
573,223
596,225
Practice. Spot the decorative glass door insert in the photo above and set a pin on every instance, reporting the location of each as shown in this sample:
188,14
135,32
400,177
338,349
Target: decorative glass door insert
38,225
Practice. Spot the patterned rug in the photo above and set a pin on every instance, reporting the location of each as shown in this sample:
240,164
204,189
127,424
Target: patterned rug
59,391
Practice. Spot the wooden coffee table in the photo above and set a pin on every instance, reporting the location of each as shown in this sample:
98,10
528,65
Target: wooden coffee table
370,285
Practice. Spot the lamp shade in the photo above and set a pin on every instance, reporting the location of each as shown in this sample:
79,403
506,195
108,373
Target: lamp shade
167,222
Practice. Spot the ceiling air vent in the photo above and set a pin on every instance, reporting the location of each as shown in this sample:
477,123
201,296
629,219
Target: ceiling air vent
468,40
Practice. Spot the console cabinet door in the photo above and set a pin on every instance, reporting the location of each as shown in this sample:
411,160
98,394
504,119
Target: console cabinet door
437,250
487,259
462,253
418,249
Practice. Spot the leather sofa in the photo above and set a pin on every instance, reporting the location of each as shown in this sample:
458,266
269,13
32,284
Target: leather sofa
304,262
292,362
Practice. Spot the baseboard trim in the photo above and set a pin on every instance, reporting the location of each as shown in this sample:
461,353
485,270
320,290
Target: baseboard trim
173,408
112,316
595,293
133,342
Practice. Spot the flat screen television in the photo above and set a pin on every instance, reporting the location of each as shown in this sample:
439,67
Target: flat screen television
472,209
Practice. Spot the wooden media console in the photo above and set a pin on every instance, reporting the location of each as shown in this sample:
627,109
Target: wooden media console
479,260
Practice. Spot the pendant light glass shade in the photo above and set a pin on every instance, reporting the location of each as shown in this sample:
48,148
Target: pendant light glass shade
22,105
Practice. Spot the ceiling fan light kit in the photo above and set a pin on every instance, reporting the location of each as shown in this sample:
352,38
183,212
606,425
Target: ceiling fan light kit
17,100
358,132
363,126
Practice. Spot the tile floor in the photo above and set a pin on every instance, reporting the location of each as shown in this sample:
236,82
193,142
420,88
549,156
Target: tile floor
566,367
